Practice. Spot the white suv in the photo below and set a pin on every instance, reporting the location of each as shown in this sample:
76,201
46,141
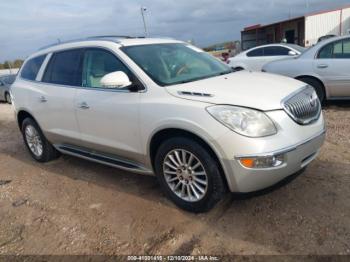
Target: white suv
166,107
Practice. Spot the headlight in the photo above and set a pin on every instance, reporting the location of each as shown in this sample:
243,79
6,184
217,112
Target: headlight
244,121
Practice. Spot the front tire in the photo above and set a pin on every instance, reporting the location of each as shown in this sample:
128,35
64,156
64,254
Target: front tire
189,175
38,146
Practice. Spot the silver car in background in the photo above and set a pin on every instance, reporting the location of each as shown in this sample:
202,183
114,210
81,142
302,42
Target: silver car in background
326,67
254,59
5,83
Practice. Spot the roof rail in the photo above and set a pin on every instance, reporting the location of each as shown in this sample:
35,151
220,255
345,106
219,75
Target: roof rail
114,36
91,38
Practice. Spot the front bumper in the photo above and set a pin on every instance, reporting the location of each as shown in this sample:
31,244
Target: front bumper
297,157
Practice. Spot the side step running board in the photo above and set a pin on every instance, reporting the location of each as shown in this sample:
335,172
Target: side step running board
102,159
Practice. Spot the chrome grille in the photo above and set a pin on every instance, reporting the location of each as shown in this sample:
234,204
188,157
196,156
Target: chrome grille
303,107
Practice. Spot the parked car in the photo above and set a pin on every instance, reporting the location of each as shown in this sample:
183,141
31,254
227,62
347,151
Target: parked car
165,107
254,59
324,66
5,84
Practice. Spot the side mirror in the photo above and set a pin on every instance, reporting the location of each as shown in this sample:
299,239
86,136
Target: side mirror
116,79
292,53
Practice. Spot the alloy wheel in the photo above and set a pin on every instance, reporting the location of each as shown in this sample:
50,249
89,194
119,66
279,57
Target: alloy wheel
34,141
185,175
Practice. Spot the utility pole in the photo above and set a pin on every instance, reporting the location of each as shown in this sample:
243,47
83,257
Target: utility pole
144,9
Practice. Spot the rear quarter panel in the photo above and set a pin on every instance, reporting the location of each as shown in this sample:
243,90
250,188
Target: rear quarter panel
290,67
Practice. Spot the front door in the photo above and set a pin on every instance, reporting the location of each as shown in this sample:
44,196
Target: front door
108,118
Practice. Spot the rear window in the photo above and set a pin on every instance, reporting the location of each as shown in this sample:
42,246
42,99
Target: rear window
64,68
32,67
256,52
276,51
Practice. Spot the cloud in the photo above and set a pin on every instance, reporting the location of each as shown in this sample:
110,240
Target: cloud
27,25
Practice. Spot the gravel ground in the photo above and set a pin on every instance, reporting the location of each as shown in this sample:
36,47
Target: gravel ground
72,206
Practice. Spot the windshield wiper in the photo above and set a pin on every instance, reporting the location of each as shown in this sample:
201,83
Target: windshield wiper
196,79
203,77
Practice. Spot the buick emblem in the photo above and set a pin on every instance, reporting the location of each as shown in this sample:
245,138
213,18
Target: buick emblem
313,100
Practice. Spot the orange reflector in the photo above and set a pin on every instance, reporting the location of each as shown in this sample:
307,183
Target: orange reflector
247,162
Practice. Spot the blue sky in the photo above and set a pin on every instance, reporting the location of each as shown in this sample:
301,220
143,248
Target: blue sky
26,25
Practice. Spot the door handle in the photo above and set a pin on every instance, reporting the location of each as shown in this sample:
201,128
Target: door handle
83,105
42,99
322,66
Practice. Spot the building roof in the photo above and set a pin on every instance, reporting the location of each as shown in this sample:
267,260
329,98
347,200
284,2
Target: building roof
254,27
258,26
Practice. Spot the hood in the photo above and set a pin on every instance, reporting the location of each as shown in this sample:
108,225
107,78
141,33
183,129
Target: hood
262,91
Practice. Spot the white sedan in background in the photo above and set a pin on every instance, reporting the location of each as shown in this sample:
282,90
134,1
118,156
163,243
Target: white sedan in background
254,59
325,66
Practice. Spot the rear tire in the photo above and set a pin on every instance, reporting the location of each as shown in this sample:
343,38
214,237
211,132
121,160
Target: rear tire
8,98
204,185
317,85
38,146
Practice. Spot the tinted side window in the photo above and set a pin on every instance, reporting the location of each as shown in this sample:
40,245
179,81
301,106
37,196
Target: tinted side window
338,50
346,49
256,52
98,63
326,52
64,68
32,67
276,51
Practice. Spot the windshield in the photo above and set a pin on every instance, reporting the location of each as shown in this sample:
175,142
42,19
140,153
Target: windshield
170,64
298,48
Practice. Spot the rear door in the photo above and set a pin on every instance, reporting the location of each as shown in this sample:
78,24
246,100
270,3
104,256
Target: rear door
333,65
55,94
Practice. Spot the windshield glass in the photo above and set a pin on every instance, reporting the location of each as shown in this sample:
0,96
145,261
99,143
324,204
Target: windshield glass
298,48
170,64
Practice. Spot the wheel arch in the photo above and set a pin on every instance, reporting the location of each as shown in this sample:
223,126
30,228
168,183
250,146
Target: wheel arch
166,133
23,114
238,65
315,78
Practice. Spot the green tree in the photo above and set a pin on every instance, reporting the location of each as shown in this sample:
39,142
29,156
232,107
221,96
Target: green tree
7,64
17,63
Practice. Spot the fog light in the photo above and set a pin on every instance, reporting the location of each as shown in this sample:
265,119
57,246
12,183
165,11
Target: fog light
262,161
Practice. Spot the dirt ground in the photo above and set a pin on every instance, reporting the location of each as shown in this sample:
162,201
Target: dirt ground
72,206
